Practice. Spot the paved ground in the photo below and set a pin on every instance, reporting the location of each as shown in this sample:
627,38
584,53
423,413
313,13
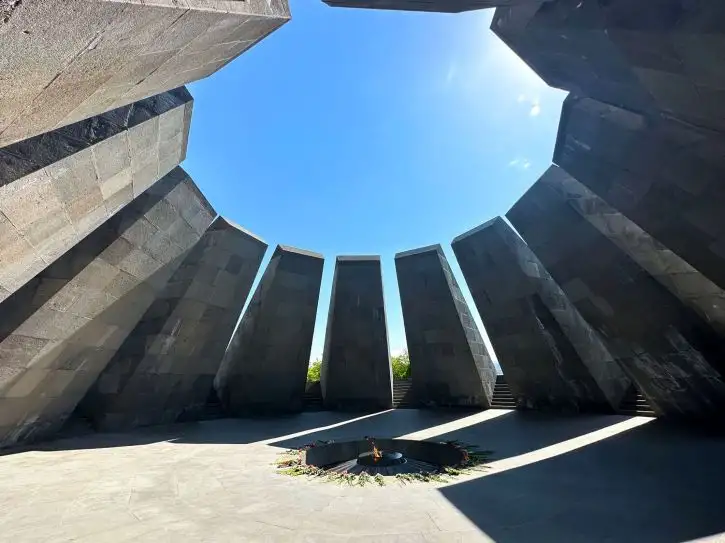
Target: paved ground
583,479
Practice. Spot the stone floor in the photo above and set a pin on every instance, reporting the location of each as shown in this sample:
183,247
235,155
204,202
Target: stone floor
580,479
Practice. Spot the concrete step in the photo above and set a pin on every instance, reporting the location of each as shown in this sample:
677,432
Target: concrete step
635,404
637,413
502,397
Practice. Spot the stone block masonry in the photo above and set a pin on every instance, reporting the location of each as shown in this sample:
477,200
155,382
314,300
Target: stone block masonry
550,356
666,176
449,362
165,368
656,57
67,60
58,331
356,372
671,353
58,187
684,281
265,368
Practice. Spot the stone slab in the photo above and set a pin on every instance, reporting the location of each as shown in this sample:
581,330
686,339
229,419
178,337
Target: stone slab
356,373
684,281
449,363
549,354
671,353
551,480
68,60
165,369
58,331
658,57
265,368
58,187
665,176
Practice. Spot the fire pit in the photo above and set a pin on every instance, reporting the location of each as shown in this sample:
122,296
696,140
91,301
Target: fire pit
385,460
380,459
357,462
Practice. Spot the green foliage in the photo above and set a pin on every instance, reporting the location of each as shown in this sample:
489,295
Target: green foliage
401,366
313,372
421,477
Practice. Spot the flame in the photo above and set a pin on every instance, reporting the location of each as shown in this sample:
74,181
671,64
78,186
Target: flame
377,453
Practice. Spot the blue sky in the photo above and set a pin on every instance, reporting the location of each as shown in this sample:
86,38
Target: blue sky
371,132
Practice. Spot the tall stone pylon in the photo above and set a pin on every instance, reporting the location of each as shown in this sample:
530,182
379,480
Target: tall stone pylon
670,351
653,57
662,174
551,357
449,363
165,369
67,60
59,331
56,188
356,373
265,368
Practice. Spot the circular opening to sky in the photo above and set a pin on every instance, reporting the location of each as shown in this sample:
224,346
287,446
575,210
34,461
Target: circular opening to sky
371,132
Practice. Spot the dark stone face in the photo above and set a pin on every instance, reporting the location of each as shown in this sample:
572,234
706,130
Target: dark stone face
664,175
660,56
356,362
449,362
166,367
670,352
675,274
265,368
60,330
548,353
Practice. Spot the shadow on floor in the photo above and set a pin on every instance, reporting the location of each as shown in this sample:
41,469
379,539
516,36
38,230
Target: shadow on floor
653,483
281,431
230,431
394,423
519,432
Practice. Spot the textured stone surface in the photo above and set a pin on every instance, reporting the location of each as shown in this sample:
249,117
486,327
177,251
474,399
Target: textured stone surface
265,368
449,362
687,283
439,6
67,60
655,56
549,354
586,479
166,367
356,361
60,330
664,175
58,187
672,354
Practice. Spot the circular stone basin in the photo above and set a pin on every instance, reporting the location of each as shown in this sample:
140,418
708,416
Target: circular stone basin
399,456
386,460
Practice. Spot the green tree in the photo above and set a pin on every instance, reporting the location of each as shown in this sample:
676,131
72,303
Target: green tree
313,372
401,366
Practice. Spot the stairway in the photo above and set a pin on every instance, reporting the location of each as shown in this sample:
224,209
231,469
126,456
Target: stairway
403,394
636,405
312,400
502,397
